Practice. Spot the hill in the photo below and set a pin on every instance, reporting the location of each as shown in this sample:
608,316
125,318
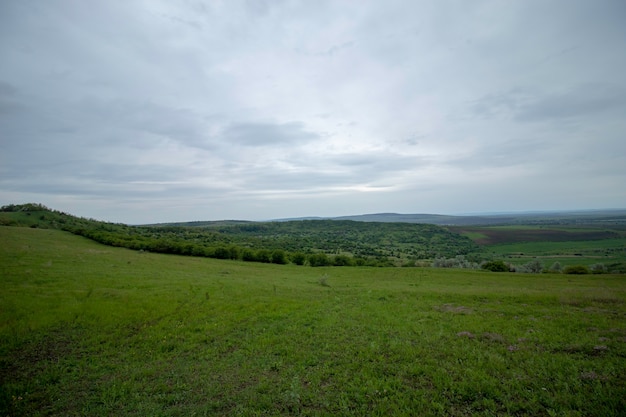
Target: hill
591,238
315,242
615,216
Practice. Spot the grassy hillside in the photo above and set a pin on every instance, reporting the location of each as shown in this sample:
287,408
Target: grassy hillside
316,242
87,329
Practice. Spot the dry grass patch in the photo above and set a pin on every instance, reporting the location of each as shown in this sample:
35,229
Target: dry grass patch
451,308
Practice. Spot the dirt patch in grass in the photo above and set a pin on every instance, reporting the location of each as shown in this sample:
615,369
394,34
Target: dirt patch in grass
451,308
493,337
592,376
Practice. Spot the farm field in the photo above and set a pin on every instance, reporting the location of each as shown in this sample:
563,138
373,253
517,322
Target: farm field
568,245
88,329
608,251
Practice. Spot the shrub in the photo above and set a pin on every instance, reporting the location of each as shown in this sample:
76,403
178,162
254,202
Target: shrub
319,259
457,262
342,260
598,269
495,266
234,252
576,270
556,267
323,281
298,258
263,255
221,253
248,255
279,257
532,267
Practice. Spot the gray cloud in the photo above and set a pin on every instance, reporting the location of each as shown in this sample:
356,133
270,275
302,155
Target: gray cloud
577,102
260,134
587,100
261,109
7,89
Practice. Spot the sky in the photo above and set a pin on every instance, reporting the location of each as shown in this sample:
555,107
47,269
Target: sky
158,111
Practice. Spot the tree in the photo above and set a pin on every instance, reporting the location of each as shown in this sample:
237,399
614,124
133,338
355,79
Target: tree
495,266
233,252
298,258
221,253
533,267
319,259
263,255
576,269
279,257
556,267
342,260
248,255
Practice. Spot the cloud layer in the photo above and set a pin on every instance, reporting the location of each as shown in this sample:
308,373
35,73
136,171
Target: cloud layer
167,111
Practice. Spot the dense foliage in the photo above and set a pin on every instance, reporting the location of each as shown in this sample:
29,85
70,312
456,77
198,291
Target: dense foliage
496,266
318,242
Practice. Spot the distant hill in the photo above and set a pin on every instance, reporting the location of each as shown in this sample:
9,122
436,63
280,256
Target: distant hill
613,216
207,223
437,219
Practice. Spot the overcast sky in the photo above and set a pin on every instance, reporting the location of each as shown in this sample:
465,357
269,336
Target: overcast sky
156,111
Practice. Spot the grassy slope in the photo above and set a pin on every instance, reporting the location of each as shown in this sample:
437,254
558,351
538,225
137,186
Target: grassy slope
373,243
87,329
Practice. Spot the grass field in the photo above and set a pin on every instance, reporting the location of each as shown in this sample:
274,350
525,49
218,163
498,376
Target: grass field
87,329
568,245
607,251
494,235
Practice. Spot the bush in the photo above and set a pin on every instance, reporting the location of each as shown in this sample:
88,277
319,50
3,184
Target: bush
342,260
298,258
532,267
323,281
319,259
263,255
598,269
234,252
495,266
556,267
279,257
576,270
457,262
221,253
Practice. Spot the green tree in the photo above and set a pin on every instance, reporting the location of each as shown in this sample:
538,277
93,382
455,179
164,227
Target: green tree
233,252
576,269
279,257
248,255
342,260
319,259
298,258
263,255
495,266
221,253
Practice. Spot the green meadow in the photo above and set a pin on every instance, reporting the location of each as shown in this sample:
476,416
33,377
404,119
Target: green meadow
94,330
